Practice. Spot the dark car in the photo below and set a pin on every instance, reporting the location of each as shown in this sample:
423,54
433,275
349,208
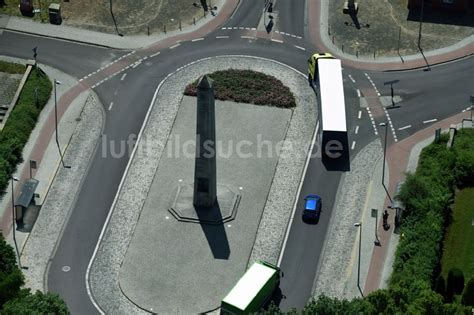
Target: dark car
312,208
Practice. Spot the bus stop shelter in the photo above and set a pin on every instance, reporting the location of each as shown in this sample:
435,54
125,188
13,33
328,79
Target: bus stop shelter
25,198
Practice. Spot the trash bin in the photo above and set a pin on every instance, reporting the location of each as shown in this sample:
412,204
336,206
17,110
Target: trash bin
26,7
55,14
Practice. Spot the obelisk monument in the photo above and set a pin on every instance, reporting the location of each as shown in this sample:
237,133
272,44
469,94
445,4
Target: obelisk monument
205,185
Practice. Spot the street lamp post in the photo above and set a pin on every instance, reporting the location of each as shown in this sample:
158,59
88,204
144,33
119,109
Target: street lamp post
359,224
421,23
384,157
56,82
14,179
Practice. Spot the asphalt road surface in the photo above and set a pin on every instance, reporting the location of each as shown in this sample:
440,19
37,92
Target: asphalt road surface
430,95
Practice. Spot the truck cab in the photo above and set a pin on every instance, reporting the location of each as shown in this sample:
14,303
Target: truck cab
313,65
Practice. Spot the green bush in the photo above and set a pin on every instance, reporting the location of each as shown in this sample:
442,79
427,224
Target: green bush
468,294
11,278
13,68
38,303
440,286
21,122
246,86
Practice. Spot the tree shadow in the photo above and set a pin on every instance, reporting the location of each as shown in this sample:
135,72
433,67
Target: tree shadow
443,16
215,233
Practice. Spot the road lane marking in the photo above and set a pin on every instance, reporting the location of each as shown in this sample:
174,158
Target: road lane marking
114,202
66,268
357,129
288,227
219,37
352,79
358,93
360,114
405,127
277,41
123,77
111,105
254,29
174,46
136,64
430,121
197,39
372,121
247,37
299,47
353,145
155,54
224,28
390,124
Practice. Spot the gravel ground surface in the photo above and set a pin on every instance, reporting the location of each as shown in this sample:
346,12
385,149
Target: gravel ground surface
382,22
335,266
8,87
104,271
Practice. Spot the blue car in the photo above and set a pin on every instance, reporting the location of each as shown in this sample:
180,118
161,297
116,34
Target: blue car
312,208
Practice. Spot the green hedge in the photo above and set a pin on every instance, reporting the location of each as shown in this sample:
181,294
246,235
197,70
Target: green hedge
246,86
21,122
14,68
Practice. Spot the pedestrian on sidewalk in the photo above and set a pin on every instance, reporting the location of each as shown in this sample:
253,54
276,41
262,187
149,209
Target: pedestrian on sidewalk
386,226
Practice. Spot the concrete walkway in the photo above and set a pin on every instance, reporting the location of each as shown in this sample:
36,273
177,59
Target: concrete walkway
79,129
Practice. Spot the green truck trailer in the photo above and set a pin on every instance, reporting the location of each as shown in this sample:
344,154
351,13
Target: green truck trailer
253,290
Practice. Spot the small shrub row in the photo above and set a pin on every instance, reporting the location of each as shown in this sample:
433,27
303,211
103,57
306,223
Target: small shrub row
21,122
246,86
13,68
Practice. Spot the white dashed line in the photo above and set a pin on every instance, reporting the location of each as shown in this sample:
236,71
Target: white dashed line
123,77
174,46
247,37
241,28
299,37
235,28
293,35
80,80
277,41
278,32
403,128
299,47
197,39
357,129
224,28
247,28
136,64
391,124
353,145
219,37
155,54
430,121
111,105
360,114
372,121
358,93
352,79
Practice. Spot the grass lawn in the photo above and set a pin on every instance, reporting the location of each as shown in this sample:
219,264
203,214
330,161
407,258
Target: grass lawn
458,249
246,86
13,68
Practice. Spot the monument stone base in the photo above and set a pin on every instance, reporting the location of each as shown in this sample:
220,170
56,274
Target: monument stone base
224,210
348,9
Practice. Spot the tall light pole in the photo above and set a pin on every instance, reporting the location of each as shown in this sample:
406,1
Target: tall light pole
359,224
14,179
384,157
421,23
56,82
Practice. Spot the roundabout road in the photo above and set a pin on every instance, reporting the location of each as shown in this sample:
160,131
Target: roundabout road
426,95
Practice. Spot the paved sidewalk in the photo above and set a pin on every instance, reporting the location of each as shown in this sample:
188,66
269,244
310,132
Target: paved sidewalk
24,25
401,157
37,246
